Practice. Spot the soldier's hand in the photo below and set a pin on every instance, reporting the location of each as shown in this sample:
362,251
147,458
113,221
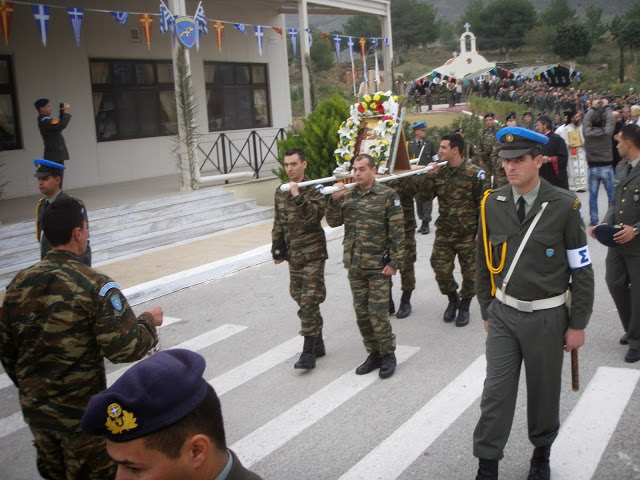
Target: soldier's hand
279,261
389,271
293,186
66,108
342,190
573,339
434,167
486,326
157,314
625,235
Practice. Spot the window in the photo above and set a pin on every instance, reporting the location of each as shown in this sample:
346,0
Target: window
9,132
237,95
133,99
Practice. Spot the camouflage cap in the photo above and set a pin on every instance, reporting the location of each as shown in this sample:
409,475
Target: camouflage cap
44,168
518,141
151,395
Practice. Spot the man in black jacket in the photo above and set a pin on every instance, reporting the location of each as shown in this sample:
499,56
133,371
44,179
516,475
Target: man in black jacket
554,155
55,149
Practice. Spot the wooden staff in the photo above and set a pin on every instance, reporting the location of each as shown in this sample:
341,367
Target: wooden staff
575,372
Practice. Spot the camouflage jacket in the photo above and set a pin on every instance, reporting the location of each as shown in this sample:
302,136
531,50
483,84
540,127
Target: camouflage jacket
487,141
297,221
59,319
373,227
429,150
459,191
407,188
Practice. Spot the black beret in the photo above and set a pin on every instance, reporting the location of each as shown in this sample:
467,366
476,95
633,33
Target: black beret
528,113
153,394
518,141
511,115
41,102
489,115
44,168
604,234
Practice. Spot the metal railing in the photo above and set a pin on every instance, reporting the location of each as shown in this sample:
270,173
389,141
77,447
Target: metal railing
228,151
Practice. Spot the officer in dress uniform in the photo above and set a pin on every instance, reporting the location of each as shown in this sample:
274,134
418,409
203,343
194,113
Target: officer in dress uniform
55,148
162,419
423,148
49,175
523,300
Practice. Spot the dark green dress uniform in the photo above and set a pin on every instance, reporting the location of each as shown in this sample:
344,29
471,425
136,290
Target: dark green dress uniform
55,148
297,222
45,246
423,207
554,259
459,191
60,319
623,261
373,233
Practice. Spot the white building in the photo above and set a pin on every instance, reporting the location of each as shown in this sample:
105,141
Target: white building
122,94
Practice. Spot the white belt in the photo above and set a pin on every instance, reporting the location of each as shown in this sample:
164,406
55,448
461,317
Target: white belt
532,306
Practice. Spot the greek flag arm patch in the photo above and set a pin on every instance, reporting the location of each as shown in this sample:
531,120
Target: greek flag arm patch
107,287
579,257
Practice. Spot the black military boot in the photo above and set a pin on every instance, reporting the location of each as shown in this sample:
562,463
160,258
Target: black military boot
423,225
388,365
454,303
405,305
392,306
425,228
462,319
540,469
487,469
373,361
307,359
318,346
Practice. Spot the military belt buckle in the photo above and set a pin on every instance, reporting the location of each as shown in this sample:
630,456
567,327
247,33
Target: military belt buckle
524,306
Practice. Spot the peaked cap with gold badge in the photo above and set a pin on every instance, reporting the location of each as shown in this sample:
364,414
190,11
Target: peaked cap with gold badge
518,141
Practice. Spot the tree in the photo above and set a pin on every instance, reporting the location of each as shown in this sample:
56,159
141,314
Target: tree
362,26
472,15
413,23
557,13
593,22
572,41
318,139
504,23
321,52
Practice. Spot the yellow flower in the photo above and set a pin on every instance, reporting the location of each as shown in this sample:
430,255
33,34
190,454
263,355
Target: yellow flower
390,122
365,106
367,98
352,144
395,97
385,142
376,97
374,154
348,156
350,123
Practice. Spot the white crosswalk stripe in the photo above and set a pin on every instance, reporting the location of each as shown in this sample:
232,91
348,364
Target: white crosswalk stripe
286,426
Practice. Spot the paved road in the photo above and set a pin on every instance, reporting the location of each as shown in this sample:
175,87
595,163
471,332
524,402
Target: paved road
331,424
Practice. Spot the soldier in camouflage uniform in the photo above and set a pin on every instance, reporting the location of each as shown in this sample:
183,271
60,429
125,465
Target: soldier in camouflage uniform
49,175
407,189
459,186
373,251
298,237
498,178
527,121
487,142
424,149
59,319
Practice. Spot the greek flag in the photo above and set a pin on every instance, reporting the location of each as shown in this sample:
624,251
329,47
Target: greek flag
121,17
336,40
293,35
200,19
308,30
259,37
75,15
167,22
241,27
41,14
386,42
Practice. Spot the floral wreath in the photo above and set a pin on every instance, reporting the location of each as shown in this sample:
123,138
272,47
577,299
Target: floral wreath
383,104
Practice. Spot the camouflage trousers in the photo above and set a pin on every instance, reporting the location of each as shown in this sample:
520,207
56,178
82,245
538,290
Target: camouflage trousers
424,208
370,292
443,257
72,456
408,271
306,286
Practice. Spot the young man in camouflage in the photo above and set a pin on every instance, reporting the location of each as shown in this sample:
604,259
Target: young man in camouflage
373,252
424,149
459,186
298,237
59,320
487,142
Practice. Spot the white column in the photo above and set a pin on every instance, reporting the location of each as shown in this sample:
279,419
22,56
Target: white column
387,50
303,24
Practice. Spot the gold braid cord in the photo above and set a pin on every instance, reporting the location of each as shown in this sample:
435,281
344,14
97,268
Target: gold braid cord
37,229
488,250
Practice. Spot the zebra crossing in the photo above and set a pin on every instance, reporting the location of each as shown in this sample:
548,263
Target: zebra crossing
593,420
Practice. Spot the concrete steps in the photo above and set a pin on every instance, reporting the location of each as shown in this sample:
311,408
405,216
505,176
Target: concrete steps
132,229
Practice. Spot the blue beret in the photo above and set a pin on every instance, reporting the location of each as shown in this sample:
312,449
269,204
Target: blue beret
44,168
518,141
604,234
153,394
41,102
421,126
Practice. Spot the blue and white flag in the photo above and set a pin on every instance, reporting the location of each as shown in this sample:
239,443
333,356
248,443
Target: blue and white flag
167,21
336,40
386,42
241,27
121,17
308,30
374,42
353,67
201,23
259,37
41,14
75,15
293,35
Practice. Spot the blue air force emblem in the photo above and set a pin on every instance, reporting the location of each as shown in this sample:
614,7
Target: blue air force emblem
549,252
186,31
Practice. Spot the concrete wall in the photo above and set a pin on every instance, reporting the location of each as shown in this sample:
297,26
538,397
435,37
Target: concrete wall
60,71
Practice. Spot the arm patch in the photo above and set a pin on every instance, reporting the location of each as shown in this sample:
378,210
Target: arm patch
579,257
